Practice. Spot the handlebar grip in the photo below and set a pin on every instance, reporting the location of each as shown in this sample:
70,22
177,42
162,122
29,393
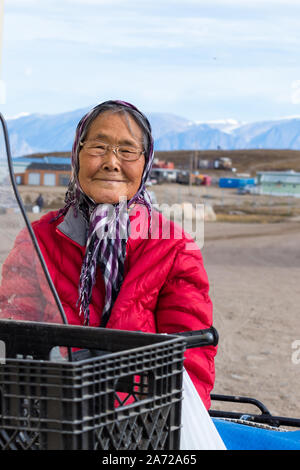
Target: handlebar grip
195,339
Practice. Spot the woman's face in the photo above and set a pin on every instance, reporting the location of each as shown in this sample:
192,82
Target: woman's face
105,179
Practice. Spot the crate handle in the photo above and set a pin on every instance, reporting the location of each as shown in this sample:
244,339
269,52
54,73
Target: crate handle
199,338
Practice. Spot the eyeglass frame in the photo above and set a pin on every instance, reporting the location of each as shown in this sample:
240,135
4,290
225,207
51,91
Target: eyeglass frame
114,148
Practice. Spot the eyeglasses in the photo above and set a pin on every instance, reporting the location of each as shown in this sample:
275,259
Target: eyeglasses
96,148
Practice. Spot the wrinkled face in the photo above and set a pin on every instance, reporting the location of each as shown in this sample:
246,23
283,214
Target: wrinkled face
105,179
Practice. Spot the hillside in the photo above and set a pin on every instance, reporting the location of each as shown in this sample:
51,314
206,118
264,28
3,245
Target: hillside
245,161
249,160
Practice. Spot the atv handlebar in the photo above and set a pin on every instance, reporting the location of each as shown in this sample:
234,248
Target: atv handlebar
198,338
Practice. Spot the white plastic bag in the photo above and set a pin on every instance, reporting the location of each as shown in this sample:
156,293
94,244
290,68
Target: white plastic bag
198,431
35,209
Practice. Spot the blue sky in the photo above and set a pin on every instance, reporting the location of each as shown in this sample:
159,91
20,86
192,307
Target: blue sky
203,60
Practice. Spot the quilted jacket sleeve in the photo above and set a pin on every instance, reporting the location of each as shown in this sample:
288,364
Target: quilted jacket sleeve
184,304
24,293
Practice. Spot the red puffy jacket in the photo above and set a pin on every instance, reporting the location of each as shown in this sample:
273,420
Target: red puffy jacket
165,289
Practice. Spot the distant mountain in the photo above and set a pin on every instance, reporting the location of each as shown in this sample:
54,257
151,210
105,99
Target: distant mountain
200,136
163,124
43,133
279,134
231,135
50,133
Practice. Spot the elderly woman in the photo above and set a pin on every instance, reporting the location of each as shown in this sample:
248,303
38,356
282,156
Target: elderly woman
106,251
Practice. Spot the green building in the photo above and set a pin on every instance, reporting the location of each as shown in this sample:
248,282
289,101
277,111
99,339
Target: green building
279,183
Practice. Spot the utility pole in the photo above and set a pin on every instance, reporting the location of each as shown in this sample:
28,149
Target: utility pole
191,170
2,85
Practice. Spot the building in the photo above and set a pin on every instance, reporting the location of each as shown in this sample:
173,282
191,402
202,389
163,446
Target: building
163,175
46,171
162,164
223,163
208,164
279,183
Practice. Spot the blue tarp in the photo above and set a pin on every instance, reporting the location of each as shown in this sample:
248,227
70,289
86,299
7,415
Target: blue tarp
238,436
235,182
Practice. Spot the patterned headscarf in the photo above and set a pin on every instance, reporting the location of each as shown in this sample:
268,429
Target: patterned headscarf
109,225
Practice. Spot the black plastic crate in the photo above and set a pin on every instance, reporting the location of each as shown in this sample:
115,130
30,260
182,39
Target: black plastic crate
128,396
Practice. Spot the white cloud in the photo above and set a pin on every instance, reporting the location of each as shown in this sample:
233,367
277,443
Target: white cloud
243,3
127,28
173,3
295,92
152,50
2,92
97,2
28,71
22,3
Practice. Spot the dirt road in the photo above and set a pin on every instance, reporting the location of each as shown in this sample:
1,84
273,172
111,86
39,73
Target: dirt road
254,271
